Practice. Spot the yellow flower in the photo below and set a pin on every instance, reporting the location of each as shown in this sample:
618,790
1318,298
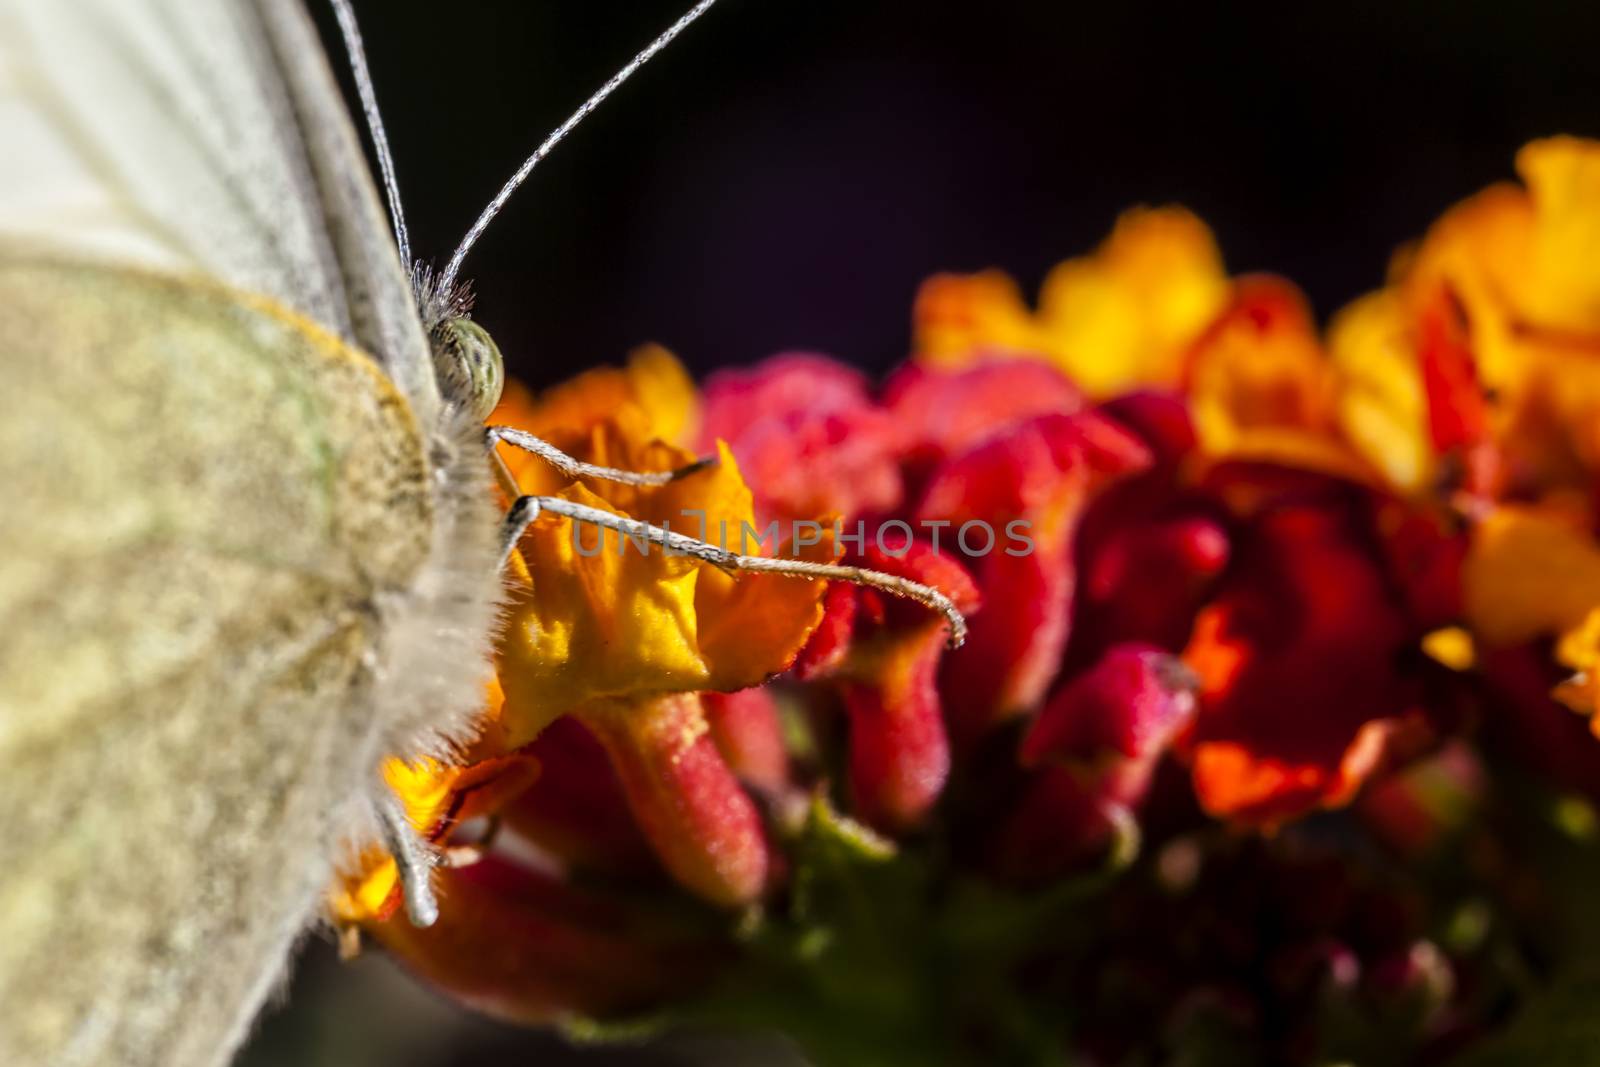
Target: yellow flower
1517,261
1382,411
1121,317
1531,572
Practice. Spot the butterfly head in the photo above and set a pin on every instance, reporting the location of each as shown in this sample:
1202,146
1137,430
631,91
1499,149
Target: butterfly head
468,364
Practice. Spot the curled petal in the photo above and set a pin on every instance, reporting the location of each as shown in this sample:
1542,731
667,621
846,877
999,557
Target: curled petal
1023,491
830,641
1382,407
899,752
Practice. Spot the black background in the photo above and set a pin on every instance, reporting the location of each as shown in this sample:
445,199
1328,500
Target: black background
787,173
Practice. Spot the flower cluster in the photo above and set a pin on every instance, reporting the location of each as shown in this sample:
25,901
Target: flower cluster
1264,751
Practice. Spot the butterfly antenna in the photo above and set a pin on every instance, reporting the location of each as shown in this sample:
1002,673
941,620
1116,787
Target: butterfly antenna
380,138
448,279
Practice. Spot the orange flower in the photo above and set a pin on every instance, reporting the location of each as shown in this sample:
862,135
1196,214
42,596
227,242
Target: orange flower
1260,385
599,618
622,637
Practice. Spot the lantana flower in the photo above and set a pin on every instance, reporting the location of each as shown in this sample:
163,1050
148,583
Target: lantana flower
621,642
1233,579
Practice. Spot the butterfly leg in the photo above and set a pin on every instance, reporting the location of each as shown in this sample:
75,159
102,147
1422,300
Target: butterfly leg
466,853
527,509
576,468
414,858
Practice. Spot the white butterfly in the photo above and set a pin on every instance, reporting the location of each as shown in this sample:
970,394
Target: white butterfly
248,547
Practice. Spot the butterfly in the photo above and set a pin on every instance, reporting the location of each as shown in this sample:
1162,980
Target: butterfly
249,543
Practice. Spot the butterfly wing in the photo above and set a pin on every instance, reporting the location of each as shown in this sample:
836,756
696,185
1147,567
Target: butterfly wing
222,570
205,136
215,512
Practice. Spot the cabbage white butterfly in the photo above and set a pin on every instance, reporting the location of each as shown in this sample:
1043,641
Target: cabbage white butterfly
248,547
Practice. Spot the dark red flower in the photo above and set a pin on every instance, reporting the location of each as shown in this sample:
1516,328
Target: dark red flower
1300,655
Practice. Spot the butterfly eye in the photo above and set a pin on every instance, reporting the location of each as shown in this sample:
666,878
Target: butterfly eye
468,364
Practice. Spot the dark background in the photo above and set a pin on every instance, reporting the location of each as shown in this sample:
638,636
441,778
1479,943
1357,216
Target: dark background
787,173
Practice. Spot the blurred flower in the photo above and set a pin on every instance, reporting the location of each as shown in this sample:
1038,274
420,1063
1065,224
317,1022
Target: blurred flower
807,430
1256,608
1096,744
1114,320
885,659
1298,655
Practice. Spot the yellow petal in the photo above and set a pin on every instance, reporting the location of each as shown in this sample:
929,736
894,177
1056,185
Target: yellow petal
1563,177
1381,406
1124,316
1530,572
603,618
1118,318
1452,647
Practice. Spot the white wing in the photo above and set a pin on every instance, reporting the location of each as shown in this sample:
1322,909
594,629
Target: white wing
208,136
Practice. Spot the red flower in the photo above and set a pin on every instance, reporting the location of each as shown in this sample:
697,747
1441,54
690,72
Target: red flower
1020,492
1097,742
809,437
886,659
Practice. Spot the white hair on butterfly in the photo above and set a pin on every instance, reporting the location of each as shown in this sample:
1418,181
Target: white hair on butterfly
249,547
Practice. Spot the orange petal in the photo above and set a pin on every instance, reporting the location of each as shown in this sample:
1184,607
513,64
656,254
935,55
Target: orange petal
957,317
